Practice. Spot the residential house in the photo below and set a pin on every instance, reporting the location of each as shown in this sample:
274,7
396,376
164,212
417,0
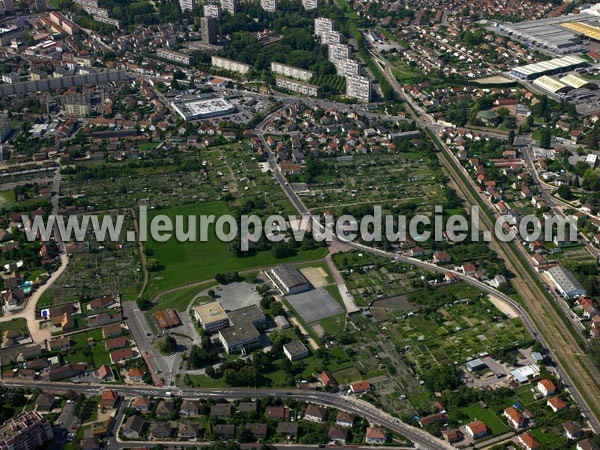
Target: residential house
514,417
344,419
133,426
442,258
452,436
188,431
314,413
476,429
220,410
546,387
225,432
142,404
337,435
556,404
360,386
278,413
572,430
327,379
189,408
44,402
587,444
288,429
160,430
108,399
164,409
528,442
136,375
246,407
257,430
375,436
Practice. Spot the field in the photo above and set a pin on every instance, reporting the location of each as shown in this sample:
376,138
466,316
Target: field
185,262
387,179
100,268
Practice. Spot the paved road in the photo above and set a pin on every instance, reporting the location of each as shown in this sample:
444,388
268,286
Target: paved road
338,401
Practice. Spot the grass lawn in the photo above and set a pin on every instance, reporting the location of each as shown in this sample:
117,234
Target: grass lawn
333,324
19,324
207,382
7,199
348,375
180,299
492,421
186,262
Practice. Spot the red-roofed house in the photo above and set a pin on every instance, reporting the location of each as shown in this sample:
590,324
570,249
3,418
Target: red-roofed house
514,417
556,404
360,386
476,429
546,387
528,442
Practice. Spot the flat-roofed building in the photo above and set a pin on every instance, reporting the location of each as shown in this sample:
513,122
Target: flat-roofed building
208,25
297,86
348,67
229,64
310,4
187,5
212,317
323,24
291,71
212,10
249,314
240,338
231,6
26,431
76,104
287,279
173,56
295,350
202,107
331,37
339,52
269,5
359,88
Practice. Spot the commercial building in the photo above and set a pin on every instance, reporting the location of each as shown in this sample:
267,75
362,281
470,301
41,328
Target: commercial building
229,64
250,314
212,10
231,6
552,85
359,88
240,338
297,86
565,282
187,5
551,67
269,5
295,350
211,316
173,56
310,4
208,25
287,279
577,82
291,71
26,431
551,33
322,25
76,104
202,107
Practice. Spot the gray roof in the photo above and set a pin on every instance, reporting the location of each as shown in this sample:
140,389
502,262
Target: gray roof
295,348
565,279
239,333
249,314
289,275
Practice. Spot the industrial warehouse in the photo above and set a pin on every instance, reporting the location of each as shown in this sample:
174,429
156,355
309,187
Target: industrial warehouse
570,87
202,107
551,67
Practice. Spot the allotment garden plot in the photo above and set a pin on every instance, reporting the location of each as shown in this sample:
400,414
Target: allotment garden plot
389,179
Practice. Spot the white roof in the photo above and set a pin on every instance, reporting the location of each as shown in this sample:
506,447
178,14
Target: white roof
545,66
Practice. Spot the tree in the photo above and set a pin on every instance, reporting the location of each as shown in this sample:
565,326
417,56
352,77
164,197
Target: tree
546,137
565,192
168,346
144,304
511,137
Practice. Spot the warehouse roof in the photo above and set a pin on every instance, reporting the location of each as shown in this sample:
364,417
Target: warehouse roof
547,66
551,84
